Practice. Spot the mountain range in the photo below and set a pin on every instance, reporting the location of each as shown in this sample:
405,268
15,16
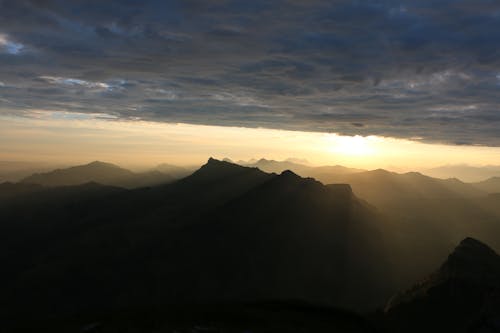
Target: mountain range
235,237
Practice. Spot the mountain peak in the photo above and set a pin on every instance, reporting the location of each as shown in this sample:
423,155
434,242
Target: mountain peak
213,162
289,173
216,169
472,263
471,242
100,163
471,253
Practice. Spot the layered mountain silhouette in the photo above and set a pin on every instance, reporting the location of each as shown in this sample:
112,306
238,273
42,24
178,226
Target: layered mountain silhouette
229,236
463,295
102,173
379,186
225,234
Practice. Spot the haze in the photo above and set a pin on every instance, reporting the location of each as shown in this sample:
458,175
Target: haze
51,138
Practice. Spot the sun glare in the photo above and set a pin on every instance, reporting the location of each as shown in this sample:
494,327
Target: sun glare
353,145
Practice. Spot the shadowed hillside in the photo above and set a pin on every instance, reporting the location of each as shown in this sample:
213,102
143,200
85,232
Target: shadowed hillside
463,295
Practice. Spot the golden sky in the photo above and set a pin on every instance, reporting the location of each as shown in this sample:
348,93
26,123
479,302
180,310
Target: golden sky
69,138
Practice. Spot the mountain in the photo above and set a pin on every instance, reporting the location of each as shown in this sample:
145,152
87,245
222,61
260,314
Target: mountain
491,185
99,172
289,227
463,295
226,234
230,236
464,172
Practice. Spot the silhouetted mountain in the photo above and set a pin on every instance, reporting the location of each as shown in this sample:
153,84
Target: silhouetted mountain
226,234
99,172
463,295
491,185
215,183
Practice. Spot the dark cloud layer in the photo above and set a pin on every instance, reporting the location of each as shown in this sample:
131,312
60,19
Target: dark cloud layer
412,69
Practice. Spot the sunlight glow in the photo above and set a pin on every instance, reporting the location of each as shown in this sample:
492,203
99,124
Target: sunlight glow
51,136
353,145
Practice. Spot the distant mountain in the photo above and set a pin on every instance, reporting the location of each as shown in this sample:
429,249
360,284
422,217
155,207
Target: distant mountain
466,173
96,171
275,166
99,172
325,174
491,185
377,186
173,170
463,295
380,186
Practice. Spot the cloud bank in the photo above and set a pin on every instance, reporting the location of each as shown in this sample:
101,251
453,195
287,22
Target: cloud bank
425,70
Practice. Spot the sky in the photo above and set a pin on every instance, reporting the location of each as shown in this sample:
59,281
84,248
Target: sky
364,83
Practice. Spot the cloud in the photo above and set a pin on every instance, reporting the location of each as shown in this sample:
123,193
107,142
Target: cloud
9,46
408,69
74,82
